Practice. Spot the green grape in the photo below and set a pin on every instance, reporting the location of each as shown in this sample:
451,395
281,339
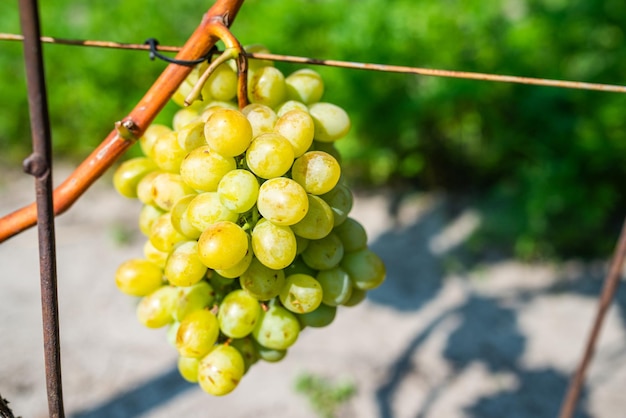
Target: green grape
331,121
248,351
365,268
324,253
192,298
144,187
184,117
221,370
197,334
167,153
138,277
271,355
239,268
298,128
277,328
301,243
191,136
155,310
183,266
316,171
336,285
318,221
149,137
290,105
167,189
214,106
340,201
301,293
206,209
154,255
282,201
324,315
238,190
352,235
262,118
262,282
357,296
128,175
273,245
163,235
299,267
203,168
180,217
238,314
266,85
147,217
269,155
188,368
228,132
222,245
221,85
305,85
221,285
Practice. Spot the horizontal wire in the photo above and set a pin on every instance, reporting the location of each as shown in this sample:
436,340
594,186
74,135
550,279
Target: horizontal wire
579,85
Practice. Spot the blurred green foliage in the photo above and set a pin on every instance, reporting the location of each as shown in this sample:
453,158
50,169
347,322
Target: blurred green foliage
545,165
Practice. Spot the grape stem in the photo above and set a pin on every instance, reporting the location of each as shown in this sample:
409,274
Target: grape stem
214,24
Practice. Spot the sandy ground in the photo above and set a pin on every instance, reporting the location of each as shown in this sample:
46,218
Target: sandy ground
440,338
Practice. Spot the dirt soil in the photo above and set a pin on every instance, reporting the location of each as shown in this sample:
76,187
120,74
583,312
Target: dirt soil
442,337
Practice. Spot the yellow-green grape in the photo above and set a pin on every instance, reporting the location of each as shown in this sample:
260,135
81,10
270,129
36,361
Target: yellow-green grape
324,253
267,86
301,243
277,328
154,255
221,370
323,316
238,190
290,105
206,209
340,200
222,245
352,235
365,268
331,121
197,333
273,245
193,298
318,221
228,132
316,171
188,368
305,85
163,235
357,296
282,201
253,63
238,314
262,282
298,128
214,106
239,268
247,349
191,136
269,155
221,285
167,189
301,293
147,217
128,175
336,285
262,118
167,153
170,336
188,84
155,310
183,266
203,168
184,117
149,137
180,217
221,85
327,147
144,188
270,355
138,277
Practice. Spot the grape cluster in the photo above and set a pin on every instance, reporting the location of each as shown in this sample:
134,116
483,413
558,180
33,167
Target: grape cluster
247,219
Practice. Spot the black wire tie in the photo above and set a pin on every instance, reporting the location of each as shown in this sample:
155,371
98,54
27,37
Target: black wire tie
154,53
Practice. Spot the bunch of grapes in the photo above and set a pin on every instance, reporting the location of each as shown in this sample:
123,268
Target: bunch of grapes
247,219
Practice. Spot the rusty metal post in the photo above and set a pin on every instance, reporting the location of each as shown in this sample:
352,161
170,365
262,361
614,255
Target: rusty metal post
39,164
